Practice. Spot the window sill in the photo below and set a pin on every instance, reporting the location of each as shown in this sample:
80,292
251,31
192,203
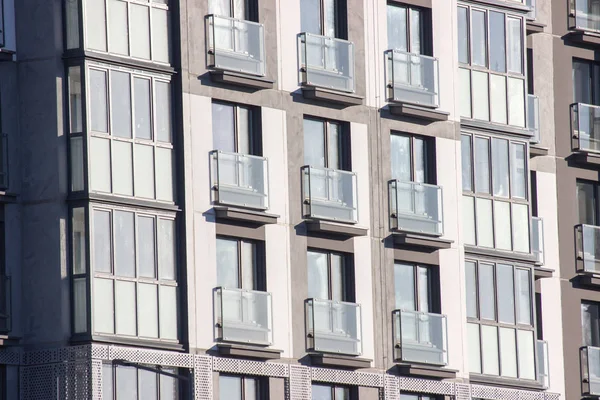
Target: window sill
421,242
513,256
123,61
245,216
535,27
240,79
335,229
414,111
118,200
536,150
336,361
6,55
331,96
248,351
426,371
510,382
510,5
496,128
541,273
125,341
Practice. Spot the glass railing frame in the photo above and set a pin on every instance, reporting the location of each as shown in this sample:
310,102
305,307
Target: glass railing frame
580,252
307,195
543,372
585,371
398,344
532,14
220,325
391,84
533,118
304,70
539,254
211,49
311,337
216,185
573,25
6,284
393,201
576,129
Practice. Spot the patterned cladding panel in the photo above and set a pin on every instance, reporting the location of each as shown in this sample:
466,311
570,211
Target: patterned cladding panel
462,391
239,366
347,377
426,386
203,384
300,384
96,377
146,356
392,387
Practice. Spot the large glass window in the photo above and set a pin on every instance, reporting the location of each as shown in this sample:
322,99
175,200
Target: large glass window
590,323
411,157
323,17
406,28
586,82
492,58
126,28
130,134
326,144
330,276
238,9
500,319
495,193
413,287
239,264
233,129
587,202
132,383
134,285
238,387
332,392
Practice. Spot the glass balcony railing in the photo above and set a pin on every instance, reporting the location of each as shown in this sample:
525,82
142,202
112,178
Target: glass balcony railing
416,207
243,316
240,180
587,239
5,304
543,365
585,122
537,239
585,15
420,337
532,14
329,194
590,370
235,45
533,118
333,327
412,78
326,62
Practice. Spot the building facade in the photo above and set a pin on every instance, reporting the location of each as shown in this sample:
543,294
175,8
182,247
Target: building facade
261,199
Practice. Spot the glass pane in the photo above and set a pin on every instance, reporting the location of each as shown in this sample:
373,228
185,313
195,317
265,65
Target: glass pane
148,310
166,249
102,241
590,324
103,306
468,214
396,28
517,170
72,23
523,289
162,105
168,312
424,285
160,35
79,305
464,76
164,174
169,386
146,247
485,235
471,282
497,42
474,348
489,348
329,8
79,235
95,22
506,294
75,100
508,352
479,37
141,89
220,7
463,35
122,160
321,392
480,96
333,146
227,263
404,283
144,171
125,307
341,393
318,282
420,160
100,164
467,166
118,35
107,382
582,82
500,167
248,254
516,102
126,382
223,125
515,45
498,98
401,157
250,389
526,354
124,244
230,387
502,229
586,201
310,16
487,306
120,99
77,170
415,31
98,100
140,31
520,224
243,130
314,143
337,278
148,384
482,165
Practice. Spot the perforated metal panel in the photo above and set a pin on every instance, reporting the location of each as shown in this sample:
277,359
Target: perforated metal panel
347,377
300,384
497,393
392,387
551,396
203,384
247,367
426,386
10,357
147,356
39,382
96,376
462,391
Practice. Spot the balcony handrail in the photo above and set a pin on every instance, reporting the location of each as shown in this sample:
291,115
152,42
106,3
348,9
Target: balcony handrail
406,346
344,303
412,78
543,371
588,377
332,335
401,311
334,39
234,19
408,53
422,214
341,171
335,198
229,153
415,183
533,118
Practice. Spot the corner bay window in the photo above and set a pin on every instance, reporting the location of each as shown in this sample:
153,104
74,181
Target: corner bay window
125,382
495,193
491,59
501,331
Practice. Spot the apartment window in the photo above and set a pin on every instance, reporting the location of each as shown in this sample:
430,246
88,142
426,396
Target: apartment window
500,319
495,193
417,396
237,387
587,202
134,282
131,141
132,383
235,129
412,158
491,58
590,323
240,264
238,9
586,82
123,27
332,392
414,287
408,28
330,276
324,17
326,144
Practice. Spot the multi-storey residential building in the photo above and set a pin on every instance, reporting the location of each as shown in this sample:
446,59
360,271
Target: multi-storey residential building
299,199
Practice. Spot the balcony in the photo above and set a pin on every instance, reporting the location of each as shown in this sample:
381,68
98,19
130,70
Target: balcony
333,327
533,118
412,78
590,371
420,337
585,123
537,239
587,242
240,180
5,304
543,366
585,15
326,62
416,207
532,14
329,194
243,316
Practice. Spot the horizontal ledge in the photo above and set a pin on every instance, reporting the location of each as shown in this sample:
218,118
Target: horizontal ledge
537,150
510,5
583,157
499,128
244,215
430,371
508,255
331,96
332,228
241,79
541,273
588,279
535,27
7,340
511,382
239,350
420,241
584,37
411,110
332,360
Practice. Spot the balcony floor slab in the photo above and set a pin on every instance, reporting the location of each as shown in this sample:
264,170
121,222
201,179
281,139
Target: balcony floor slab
331,96
409,110
541,273
246,351
431,243
339,361
332,228
537,150
238,79
245,216
429,371
586,158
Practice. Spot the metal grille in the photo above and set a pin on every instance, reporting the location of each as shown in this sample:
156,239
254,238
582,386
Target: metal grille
239,366
96,377
392,387
39,382
551,396
145,356
74,381
462,391
426,386
300,385
347,377
10,357
203,389
494,393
